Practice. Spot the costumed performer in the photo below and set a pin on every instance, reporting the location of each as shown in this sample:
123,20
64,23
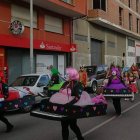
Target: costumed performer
4,95
72,93
83,76
71,85
116,83
132,84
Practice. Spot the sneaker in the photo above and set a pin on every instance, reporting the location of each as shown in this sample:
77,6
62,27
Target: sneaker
126,99
9,128
133,98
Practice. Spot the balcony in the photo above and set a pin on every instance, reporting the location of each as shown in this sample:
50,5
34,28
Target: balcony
101,18
67,8
94,13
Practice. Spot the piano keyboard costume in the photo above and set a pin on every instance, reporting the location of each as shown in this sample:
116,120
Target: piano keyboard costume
116,89
71,102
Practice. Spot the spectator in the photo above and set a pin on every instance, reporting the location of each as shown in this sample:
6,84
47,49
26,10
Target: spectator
4,94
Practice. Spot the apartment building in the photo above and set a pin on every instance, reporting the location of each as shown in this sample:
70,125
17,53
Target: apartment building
109,33
52,34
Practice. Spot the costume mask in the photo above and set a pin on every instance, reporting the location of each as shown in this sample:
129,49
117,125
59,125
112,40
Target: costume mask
114,73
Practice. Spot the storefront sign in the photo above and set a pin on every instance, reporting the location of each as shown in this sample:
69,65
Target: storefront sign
57,47
12,41
16,27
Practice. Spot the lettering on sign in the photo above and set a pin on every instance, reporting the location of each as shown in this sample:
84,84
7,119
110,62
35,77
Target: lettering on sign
50,46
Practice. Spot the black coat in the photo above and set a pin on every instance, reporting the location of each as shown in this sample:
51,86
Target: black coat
4,90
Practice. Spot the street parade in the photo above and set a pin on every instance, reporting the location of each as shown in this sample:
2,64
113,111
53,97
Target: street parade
69,69
71,101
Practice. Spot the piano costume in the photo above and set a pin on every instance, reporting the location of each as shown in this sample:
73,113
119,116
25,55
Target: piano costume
117,87
71,102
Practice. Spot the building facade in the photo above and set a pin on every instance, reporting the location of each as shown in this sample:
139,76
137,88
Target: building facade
52,34
109,33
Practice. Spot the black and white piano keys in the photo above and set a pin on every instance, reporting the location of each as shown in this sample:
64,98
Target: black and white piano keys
119,95
47,115
123,93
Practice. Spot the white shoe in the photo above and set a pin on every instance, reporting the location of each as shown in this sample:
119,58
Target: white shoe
133,97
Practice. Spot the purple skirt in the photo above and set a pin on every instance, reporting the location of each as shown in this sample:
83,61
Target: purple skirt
116,86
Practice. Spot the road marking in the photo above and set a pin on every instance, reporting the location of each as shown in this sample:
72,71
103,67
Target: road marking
109,120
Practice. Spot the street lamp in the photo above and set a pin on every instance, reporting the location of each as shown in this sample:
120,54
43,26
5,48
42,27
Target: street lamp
31,36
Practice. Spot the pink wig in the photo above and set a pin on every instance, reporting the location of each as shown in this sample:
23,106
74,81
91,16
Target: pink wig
73,73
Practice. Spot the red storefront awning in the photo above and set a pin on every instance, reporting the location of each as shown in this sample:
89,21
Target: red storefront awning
20,42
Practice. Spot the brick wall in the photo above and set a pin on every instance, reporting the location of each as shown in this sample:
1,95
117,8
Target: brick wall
112,13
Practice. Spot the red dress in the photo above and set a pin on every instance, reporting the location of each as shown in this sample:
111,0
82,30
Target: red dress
132,85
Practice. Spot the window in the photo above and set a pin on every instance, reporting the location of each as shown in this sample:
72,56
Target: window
68,1
25,81
120,16
129,3
130,21
99,4
53,24
131,43
100,69
138,25
138,59
44,80
137,6
23,15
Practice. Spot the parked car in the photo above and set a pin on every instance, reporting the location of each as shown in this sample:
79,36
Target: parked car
96,75
31,83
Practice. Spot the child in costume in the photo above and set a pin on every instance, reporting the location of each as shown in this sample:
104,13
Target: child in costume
132,84
83,76
135,70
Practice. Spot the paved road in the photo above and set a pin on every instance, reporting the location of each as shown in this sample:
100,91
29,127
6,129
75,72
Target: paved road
108,127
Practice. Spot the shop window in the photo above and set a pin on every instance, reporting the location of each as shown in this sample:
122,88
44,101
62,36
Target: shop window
23,15
99,4
131,43
53,24
131,54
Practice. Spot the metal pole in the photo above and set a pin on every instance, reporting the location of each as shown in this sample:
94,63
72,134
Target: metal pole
31,36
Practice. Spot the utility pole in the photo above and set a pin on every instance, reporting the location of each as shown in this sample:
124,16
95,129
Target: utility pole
31,36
